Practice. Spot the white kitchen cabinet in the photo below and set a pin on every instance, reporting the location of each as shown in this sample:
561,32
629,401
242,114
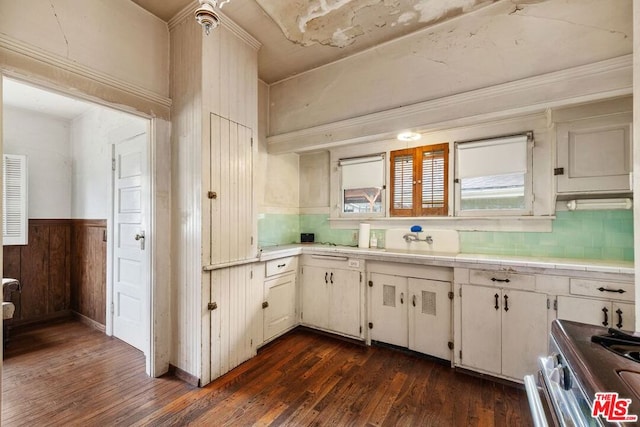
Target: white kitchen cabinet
331,298
611,314
594,154
279,297
411,312
503,331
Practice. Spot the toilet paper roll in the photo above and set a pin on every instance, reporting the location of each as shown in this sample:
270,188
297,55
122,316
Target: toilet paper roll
363,235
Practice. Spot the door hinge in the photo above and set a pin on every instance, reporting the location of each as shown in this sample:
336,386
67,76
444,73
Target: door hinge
450,345
301,270
251,274
252,240
370,325
360,329
361,277
450,295
456,180
460,354
555,304
548,303
252,141
113,164
558,171
371,283
265,304
460,292
212,306
104,235
112,308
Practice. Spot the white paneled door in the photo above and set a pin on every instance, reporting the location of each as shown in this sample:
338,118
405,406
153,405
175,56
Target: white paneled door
130,254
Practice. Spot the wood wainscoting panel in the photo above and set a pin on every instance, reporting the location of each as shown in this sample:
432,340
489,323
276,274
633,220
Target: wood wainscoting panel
43,268
89,269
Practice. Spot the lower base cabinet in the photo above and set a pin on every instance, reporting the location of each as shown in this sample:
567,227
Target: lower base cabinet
331,299
503,331
412,313
279,306
610,314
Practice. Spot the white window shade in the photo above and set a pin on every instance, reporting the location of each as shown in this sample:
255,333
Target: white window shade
363,172
492,157
14,200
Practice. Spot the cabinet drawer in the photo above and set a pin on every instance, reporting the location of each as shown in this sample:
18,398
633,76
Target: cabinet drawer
504,279
598,288
282,265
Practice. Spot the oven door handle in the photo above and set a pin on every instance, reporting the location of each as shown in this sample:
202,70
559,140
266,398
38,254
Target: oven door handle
535,404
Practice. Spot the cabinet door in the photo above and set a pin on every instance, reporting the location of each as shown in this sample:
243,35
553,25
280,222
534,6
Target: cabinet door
389,309
430,317
585,310
280,313
480,328
595,154
623,316
315,296
344,302
524,332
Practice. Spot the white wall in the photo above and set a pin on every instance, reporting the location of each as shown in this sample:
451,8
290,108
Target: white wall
91,154
114,37
488,47
45,141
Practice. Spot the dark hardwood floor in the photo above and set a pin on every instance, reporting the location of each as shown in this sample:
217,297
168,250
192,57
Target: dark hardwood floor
68,374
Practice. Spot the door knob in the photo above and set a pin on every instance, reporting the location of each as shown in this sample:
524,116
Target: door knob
140,238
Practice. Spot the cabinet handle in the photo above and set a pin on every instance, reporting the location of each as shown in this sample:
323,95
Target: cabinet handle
616,291
606,316
619,313
414,301
506,303
497,307
281,265
331,278
326,277
402,298
493,279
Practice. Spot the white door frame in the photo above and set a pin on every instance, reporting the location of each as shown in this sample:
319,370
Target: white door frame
158,153
115,137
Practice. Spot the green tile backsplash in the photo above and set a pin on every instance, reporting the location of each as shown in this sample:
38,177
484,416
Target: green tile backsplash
606,235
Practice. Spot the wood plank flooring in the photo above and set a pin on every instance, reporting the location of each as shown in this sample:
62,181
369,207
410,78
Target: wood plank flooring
68,374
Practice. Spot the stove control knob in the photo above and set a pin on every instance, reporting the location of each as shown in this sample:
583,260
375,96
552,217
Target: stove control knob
565,377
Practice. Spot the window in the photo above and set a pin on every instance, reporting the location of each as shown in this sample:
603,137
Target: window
14,200
492,176
419,181
362,185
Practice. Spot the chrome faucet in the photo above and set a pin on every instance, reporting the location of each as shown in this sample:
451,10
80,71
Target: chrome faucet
413,237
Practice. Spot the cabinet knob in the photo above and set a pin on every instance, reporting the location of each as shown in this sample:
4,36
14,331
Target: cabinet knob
265,304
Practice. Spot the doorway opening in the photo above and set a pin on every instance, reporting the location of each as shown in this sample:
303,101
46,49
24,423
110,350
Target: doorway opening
86,253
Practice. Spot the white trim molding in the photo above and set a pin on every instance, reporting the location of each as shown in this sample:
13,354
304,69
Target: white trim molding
35,53
586,83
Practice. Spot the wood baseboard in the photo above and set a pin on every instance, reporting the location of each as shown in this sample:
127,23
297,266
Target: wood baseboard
89,322
45,318
184,376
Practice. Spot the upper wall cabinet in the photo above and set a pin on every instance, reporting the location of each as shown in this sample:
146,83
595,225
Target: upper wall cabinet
594,154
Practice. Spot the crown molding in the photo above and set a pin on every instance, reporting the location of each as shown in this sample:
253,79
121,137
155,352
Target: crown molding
71,66
226,22
600,80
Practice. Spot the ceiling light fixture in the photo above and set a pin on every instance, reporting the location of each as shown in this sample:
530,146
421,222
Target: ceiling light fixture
409,136
206,14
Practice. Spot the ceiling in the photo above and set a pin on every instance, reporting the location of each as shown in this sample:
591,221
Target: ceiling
299,35
20,95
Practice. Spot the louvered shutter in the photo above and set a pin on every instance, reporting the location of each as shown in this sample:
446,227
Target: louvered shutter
419,181
434,180
402,172
14,200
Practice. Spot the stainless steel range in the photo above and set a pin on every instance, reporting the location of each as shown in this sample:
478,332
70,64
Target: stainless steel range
590,378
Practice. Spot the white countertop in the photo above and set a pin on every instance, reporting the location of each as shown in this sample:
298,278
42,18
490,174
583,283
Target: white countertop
451,260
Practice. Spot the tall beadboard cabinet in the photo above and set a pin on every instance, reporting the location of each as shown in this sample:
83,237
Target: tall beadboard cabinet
217,297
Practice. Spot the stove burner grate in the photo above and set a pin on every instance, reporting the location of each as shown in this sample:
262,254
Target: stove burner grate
623,344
